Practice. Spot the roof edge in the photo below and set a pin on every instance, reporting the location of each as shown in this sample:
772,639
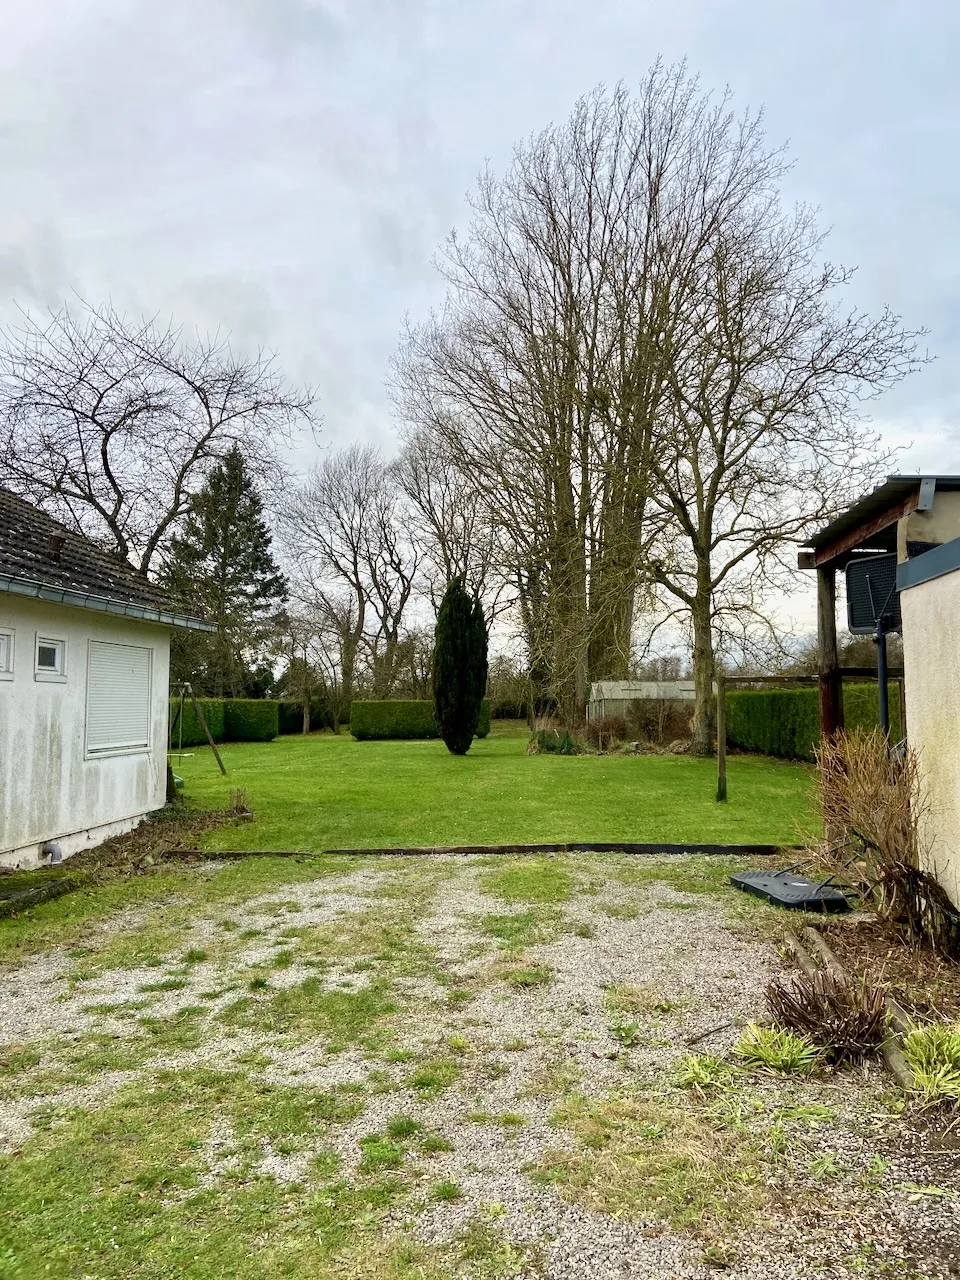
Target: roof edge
100,604
935,563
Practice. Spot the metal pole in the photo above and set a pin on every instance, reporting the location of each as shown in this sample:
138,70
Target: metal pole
721,738
880,640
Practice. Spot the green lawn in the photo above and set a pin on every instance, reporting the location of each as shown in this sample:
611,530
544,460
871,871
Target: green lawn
327,792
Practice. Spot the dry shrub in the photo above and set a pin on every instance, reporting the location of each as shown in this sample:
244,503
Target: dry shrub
659,719
846,1019
604,732
871,802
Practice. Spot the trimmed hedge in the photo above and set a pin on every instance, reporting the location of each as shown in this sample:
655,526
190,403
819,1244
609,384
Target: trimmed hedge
228,719
786,722
192,732
250,719
410,718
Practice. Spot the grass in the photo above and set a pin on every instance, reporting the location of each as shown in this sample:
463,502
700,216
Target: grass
329,791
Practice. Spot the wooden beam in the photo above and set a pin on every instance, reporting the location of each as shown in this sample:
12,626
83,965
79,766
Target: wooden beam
721,738
828,661
858,535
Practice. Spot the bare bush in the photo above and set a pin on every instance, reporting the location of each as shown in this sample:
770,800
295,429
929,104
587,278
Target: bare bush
604,732
659,719
871,802
847,1019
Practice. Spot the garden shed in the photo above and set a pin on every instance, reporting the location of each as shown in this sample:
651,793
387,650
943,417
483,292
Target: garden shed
616,697
84,661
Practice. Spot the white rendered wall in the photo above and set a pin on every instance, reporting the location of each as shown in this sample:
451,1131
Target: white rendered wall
931,663
49,788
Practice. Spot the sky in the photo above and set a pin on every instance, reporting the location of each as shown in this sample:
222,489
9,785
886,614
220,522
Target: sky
285,169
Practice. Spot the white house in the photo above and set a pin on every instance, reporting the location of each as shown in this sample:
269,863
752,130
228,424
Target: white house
84,672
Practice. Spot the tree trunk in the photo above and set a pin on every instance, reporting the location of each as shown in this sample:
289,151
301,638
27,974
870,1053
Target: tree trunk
703,673
306,712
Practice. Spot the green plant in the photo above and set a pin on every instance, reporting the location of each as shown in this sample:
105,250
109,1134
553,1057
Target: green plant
628,1033
552,742
379,1153
446,1189
459,666
933,1054
410,718
403,1127
774,1049
703,1072
534,975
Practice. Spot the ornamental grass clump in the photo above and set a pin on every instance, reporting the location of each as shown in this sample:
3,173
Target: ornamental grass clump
776,1050
845,1019
933,1054
872,804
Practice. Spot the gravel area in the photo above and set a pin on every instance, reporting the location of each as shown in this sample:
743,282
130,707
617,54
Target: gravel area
863,1190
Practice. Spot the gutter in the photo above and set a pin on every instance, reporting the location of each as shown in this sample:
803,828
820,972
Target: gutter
100,604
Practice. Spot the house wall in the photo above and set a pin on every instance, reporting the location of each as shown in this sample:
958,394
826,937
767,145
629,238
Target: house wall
940,524
931,658
48,789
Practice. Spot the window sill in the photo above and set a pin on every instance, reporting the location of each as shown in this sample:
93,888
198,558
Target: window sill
49,677
111,753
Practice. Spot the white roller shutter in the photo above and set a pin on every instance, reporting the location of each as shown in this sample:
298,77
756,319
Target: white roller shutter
118,696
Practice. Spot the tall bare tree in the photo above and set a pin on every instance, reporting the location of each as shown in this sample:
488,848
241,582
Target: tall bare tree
641,369
545,373
449,522
760,438
113,423
354,565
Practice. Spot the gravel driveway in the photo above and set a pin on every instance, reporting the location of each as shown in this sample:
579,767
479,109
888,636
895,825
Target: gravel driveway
506,1038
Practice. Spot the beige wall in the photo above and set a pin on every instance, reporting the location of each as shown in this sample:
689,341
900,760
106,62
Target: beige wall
940,524
931,654
49,788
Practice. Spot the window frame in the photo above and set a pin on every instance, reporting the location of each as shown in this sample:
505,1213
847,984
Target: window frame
138,749
49,675
9,634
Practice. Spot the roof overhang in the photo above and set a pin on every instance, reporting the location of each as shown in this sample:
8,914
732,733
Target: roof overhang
870,524
101,604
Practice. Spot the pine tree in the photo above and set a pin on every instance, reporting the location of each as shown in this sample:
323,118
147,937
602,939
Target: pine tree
459,667
221,568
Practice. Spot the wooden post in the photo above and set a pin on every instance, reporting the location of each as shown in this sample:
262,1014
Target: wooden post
203,725
721,738
831,684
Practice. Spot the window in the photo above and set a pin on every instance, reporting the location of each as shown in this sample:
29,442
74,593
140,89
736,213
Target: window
50,659
118,698
7,638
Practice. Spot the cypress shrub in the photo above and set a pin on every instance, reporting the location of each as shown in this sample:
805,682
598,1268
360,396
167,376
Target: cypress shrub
410,718
459,667
786,722
192,731
250,719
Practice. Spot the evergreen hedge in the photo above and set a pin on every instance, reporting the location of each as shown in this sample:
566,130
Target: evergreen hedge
250,719
409,718
192,732
786,722
228,719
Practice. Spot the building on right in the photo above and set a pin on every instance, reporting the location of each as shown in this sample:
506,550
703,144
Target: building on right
929,586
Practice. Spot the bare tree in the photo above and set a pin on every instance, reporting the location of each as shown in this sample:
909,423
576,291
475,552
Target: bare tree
354,566
449,522
544,375
112,424
760,439
642,371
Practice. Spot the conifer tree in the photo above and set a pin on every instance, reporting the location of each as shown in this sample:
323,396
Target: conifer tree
221,568
459,667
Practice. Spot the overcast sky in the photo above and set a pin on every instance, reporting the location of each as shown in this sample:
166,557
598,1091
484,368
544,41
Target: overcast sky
285,168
